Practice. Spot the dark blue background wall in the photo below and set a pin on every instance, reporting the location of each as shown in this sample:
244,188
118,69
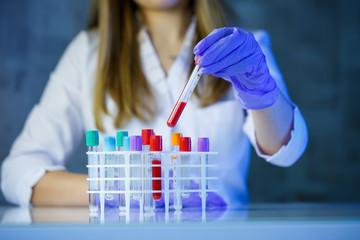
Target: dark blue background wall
316,43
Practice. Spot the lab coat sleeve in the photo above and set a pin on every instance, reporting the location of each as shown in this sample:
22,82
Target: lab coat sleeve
291,152
52,130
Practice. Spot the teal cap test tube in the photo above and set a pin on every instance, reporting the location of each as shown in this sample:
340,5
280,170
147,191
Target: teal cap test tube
120,139
92,143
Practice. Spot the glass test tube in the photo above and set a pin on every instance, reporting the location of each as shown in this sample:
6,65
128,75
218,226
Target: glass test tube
175,142
92,143
121,170
136,171
185,95
127,196
185,146
109,146
155,158
149,204
203,146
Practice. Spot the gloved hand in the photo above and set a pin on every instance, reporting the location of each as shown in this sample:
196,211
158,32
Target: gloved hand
194,200
234,55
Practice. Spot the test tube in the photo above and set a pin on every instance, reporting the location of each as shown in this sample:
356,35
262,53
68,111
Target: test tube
92,143
149,204
203,146
185,95
121,170
123,201
109,146
155,158
126,200
175,142
185,146
135,171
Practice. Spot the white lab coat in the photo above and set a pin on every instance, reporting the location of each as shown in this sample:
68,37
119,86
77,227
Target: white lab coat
58,122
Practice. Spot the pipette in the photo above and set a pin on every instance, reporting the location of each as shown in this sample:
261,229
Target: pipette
185,95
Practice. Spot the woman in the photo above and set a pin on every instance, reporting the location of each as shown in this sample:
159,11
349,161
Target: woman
127,70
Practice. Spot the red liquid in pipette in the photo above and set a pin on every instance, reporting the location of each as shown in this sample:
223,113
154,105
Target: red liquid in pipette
156,184
176,113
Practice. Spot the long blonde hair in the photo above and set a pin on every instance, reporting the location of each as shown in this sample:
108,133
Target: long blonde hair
119,71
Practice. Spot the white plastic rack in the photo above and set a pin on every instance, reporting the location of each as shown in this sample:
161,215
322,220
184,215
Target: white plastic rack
115,169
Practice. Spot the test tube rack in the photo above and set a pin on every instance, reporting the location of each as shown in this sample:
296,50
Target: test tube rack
198,163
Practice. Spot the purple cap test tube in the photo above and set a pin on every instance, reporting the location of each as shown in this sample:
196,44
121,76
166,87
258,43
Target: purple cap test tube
135,143
203,145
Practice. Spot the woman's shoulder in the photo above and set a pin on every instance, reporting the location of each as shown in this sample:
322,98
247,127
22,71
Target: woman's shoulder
86,40
81,51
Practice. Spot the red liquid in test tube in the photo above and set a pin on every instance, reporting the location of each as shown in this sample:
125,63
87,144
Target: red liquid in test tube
185,95
156,183
155,149
176,113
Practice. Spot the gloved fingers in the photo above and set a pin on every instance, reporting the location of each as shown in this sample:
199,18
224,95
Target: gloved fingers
247,57
210,39
236,63
251,65
194,200
236,57
220,49
214,199
232,70
259,82
223,47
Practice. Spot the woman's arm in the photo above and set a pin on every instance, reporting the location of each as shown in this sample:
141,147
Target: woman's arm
234,55
60,188
52,131
273,125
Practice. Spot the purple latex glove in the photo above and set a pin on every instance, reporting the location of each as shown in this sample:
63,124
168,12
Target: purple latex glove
212,200
234,55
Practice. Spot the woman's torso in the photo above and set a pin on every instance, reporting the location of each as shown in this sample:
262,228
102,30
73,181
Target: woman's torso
222,121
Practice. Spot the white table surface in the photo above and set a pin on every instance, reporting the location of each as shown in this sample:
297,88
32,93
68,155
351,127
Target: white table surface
256,221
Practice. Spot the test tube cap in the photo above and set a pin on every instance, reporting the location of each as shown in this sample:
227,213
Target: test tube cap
119,138
126,143
185,144
109,144
146,133
135,143
92,138
155,143
175,139
203,145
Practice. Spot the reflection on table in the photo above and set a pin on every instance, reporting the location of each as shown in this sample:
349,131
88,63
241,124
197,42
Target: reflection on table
270,221
21,215
283,212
